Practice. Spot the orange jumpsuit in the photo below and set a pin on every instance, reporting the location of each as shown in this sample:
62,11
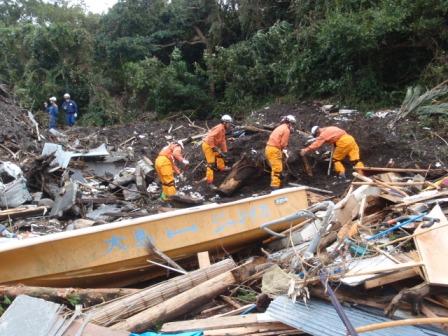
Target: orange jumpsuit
278,140
215,138
166,167
345,145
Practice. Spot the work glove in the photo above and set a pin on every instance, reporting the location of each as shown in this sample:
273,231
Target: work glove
285,152
302,152
185,162
309,141
46,104
76,115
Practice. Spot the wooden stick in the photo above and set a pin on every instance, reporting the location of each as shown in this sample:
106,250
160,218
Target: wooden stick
395,170
167,267
381,185
162,255
394,183
407,322
411,236
331,161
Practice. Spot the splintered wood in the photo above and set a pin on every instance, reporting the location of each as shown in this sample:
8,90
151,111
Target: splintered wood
432,247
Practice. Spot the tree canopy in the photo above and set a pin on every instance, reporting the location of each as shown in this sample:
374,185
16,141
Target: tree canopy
214,56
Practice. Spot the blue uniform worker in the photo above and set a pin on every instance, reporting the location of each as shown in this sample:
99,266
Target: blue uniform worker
71,110
53,111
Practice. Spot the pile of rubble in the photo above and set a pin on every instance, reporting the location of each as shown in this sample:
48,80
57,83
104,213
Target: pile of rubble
371,261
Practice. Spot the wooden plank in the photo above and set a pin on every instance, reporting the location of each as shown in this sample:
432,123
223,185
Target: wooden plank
260,329
92,330
390,278
219,323
21,212
432,247
203,259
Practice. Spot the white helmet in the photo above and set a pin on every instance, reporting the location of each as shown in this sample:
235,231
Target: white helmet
226,118
52,99
314,130
66,96
290,118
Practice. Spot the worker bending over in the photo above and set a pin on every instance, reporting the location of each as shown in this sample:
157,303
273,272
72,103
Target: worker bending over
214,147
345,145
166,167
276,148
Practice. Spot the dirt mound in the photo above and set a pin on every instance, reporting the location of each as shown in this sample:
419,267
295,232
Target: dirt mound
16,131
408,144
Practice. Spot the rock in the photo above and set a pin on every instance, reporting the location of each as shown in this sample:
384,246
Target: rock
83,223
46,202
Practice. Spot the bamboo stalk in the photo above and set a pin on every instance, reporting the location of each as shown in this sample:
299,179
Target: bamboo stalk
113,311
177,305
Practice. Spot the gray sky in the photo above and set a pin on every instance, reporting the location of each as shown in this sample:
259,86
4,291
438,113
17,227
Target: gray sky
99,6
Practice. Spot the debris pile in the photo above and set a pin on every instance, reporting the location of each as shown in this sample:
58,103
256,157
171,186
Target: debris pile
364,255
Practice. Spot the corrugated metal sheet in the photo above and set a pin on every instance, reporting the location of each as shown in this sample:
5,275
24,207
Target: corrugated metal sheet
319,318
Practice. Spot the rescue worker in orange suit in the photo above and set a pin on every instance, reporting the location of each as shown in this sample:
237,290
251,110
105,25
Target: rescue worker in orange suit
214,147
166,167
276,148
345,145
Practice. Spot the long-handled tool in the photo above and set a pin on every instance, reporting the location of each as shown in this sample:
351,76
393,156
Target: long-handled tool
337,305
331,161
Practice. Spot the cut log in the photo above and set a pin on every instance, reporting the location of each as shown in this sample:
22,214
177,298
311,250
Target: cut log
88,297
111,312
243,169
182,303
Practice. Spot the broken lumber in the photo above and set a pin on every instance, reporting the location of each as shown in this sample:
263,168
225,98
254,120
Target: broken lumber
203,259
396,170
88,297
23,212
390,278
113,311
224,322
182,303
431,247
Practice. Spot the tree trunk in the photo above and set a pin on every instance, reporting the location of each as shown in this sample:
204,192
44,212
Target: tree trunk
241,171
88,297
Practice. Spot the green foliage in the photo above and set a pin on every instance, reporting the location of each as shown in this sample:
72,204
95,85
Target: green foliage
166,88
4,304
214,56
74,300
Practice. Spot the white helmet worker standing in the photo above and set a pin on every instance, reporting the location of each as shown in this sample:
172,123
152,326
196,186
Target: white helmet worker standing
71,110
276,148
214,147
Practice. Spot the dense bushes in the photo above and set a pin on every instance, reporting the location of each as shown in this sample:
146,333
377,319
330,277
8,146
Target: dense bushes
211,56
